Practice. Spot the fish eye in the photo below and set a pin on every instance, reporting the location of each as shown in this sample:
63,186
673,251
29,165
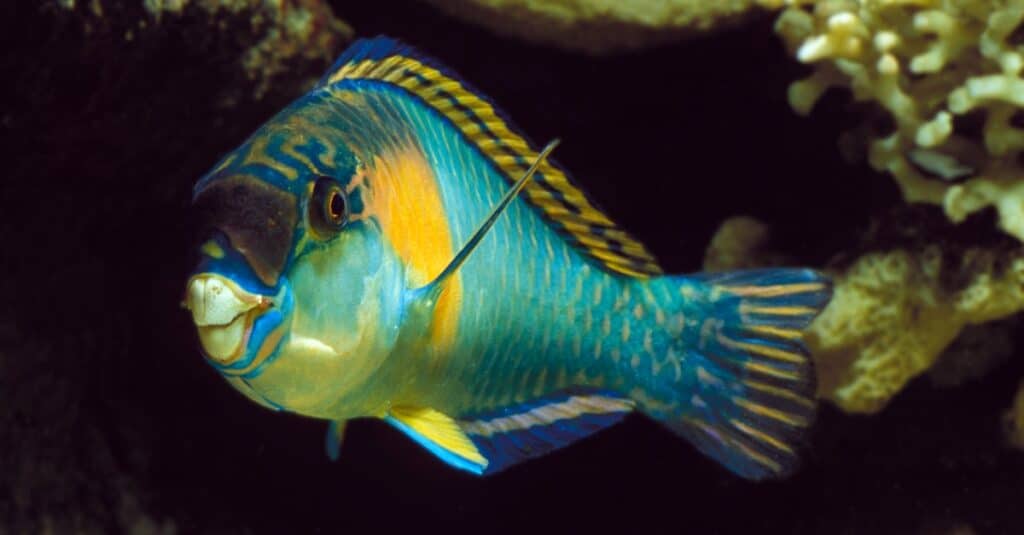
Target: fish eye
328,208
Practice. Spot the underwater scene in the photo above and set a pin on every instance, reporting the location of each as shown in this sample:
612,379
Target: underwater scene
517,266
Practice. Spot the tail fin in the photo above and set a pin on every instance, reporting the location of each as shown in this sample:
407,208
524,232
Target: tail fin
746,391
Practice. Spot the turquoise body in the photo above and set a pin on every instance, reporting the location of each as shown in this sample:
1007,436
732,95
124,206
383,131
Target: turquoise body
539,343
536,316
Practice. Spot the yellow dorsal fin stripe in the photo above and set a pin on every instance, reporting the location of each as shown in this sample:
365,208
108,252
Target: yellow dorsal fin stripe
551,192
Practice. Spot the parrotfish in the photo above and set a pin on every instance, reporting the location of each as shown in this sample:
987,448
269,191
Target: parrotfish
389,246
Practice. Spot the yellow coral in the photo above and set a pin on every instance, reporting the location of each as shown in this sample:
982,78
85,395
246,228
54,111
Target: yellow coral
739,243
894,313
927,63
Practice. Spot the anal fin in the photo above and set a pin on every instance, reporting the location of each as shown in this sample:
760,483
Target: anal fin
515,434
490,442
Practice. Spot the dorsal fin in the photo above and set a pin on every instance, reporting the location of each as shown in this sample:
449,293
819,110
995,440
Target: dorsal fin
484,126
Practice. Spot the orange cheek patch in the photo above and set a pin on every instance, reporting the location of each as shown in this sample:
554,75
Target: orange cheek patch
402,194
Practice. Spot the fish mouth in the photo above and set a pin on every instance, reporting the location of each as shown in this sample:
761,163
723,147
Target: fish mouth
224,314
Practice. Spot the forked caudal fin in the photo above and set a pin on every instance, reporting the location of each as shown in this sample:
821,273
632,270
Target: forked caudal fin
747,390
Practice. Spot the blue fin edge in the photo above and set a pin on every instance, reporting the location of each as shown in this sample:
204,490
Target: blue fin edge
508,447
445,455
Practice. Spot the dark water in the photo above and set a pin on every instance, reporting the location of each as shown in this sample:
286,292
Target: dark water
106,396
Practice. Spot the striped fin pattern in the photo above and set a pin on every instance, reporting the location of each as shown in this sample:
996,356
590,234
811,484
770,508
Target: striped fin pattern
515,434
752,370
563,204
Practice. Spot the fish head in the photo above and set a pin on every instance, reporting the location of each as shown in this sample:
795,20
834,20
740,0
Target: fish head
295,295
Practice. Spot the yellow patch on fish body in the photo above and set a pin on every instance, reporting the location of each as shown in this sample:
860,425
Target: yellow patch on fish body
404,198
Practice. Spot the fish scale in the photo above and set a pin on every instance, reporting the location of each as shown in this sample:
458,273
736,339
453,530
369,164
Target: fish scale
475,186
353,225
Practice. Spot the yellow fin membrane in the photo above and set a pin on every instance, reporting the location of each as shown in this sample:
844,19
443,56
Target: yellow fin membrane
490,442
440,434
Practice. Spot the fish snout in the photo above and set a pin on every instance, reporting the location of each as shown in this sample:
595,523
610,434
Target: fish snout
223,314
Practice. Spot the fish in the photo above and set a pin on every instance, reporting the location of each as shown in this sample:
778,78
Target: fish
389,246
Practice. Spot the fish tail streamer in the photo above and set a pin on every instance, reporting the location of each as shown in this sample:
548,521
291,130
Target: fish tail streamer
736,379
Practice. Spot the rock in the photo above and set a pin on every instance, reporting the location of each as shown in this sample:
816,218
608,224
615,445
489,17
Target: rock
601,26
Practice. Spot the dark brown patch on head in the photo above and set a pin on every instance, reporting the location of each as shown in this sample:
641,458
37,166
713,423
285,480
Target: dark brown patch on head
258,219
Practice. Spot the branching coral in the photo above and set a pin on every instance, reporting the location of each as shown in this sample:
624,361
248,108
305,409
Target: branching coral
948,72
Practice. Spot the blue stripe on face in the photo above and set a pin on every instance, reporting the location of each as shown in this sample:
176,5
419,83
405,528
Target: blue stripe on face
263,326
233,266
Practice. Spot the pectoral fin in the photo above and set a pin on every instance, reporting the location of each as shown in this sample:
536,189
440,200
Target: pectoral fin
432,289
440,434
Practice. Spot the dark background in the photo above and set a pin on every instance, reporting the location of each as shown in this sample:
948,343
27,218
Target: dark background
106,400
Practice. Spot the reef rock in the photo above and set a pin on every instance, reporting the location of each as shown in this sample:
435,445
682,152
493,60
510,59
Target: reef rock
276,37
600,26
112,108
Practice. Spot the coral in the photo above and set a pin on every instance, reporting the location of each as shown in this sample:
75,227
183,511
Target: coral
740,243
947,72
599,26
893,313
